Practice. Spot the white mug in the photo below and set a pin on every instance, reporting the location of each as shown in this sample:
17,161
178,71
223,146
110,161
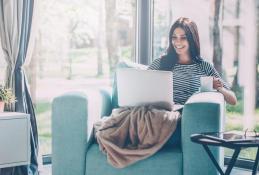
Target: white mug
206,83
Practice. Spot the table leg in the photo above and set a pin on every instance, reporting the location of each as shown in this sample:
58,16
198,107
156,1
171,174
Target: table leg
213,159
232,161
256,162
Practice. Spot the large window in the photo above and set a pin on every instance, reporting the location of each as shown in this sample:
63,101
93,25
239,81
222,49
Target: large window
237,61
234,39
78,45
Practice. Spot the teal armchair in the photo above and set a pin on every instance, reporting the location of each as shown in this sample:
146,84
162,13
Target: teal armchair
74,151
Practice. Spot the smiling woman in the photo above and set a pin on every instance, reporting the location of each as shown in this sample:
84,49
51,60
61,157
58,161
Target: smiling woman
184,60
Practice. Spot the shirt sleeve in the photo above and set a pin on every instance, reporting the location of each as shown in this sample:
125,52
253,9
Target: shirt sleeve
210,70
155,65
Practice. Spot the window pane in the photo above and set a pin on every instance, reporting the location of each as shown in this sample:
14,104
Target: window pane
162,22
78,45
234,40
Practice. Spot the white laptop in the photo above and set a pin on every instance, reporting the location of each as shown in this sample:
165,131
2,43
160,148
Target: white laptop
139,87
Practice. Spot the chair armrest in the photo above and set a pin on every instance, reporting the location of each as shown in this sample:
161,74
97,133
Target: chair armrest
73,115
203,112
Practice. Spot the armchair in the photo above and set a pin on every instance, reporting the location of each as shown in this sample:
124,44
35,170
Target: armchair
74,151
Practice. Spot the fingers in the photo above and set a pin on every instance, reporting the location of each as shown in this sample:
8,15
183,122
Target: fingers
217,83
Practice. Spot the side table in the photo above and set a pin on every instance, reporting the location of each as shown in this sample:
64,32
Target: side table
14,139
217,139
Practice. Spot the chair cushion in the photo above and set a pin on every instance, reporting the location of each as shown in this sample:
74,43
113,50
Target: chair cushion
167,161
122,64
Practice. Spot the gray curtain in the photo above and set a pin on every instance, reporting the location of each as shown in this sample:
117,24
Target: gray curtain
15,29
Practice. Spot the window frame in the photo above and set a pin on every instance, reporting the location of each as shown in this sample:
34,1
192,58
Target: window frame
144,31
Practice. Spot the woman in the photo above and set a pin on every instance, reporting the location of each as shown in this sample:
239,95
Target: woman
183,59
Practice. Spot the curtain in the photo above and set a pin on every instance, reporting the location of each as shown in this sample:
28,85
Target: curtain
15,29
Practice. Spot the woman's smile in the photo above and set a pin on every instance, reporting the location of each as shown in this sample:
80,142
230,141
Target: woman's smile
179,47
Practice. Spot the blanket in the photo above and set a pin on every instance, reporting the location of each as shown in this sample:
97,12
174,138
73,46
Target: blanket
131,134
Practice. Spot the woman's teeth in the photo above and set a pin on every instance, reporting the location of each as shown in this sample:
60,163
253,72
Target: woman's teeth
179,47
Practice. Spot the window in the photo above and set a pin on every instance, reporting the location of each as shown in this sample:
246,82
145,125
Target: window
234,39
238,65
78,45
162,21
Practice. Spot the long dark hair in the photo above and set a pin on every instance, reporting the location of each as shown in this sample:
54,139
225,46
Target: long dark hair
171,58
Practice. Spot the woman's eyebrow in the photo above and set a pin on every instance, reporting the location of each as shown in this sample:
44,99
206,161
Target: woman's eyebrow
179,35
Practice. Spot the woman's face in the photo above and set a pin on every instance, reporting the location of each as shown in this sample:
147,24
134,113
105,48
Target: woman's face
180,43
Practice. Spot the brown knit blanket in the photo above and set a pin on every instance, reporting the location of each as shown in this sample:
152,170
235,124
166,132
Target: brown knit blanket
132,134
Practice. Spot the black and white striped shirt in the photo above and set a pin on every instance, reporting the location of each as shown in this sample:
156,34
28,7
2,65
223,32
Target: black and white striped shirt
186,78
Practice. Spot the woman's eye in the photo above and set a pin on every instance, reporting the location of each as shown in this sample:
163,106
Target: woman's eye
182,38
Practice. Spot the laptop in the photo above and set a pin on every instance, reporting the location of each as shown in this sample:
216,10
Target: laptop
138,87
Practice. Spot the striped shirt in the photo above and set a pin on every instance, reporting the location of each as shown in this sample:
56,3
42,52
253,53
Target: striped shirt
186,78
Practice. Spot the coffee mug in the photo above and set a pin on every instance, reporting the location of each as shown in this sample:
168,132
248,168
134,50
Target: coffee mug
206,83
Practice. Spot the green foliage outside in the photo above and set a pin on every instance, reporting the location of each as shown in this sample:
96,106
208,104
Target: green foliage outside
42,107
235,122
238,108
43,117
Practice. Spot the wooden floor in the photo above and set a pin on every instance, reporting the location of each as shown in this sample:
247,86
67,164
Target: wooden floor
46,170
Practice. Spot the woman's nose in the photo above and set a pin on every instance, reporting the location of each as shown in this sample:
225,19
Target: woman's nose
177,40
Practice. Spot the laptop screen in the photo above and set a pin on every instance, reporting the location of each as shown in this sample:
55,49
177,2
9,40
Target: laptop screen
139,87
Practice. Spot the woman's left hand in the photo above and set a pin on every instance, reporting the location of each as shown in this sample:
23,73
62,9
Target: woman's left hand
217,84
229,96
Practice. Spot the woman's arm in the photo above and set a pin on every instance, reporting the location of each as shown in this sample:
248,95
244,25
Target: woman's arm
229,95
155,65
219,84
